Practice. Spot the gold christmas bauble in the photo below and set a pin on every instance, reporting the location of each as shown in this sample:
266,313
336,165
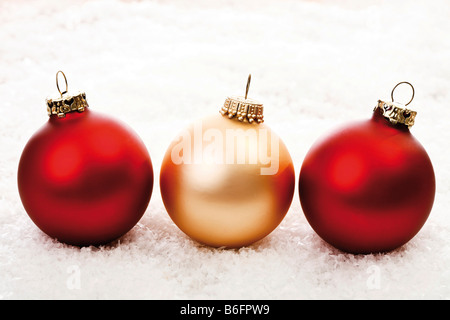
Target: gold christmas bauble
226,181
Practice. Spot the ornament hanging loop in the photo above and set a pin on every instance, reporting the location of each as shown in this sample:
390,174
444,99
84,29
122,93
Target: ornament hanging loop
57,83
66,103
392,92
243,109
248,85
396,112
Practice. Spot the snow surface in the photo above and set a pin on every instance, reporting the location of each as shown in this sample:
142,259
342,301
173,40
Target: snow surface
158,66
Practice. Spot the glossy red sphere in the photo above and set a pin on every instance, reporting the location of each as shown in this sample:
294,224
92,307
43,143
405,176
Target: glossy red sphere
368,187
85,179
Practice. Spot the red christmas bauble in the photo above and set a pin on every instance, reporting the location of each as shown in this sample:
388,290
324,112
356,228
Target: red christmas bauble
85,179
368,187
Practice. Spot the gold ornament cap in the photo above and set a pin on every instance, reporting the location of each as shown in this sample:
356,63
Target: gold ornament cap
66,103
397,112
242,108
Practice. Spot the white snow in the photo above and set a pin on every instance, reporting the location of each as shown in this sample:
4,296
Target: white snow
159,66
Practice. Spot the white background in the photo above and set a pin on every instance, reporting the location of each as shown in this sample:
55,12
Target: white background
158,66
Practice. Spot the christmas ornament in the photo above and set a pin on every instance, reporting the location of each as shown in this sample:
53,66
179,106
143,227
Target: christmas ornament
84,178
370,186
228,180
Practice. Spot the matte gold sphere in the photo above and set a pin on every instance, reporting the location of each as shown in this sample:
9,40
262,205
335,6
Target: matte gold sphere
227,183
